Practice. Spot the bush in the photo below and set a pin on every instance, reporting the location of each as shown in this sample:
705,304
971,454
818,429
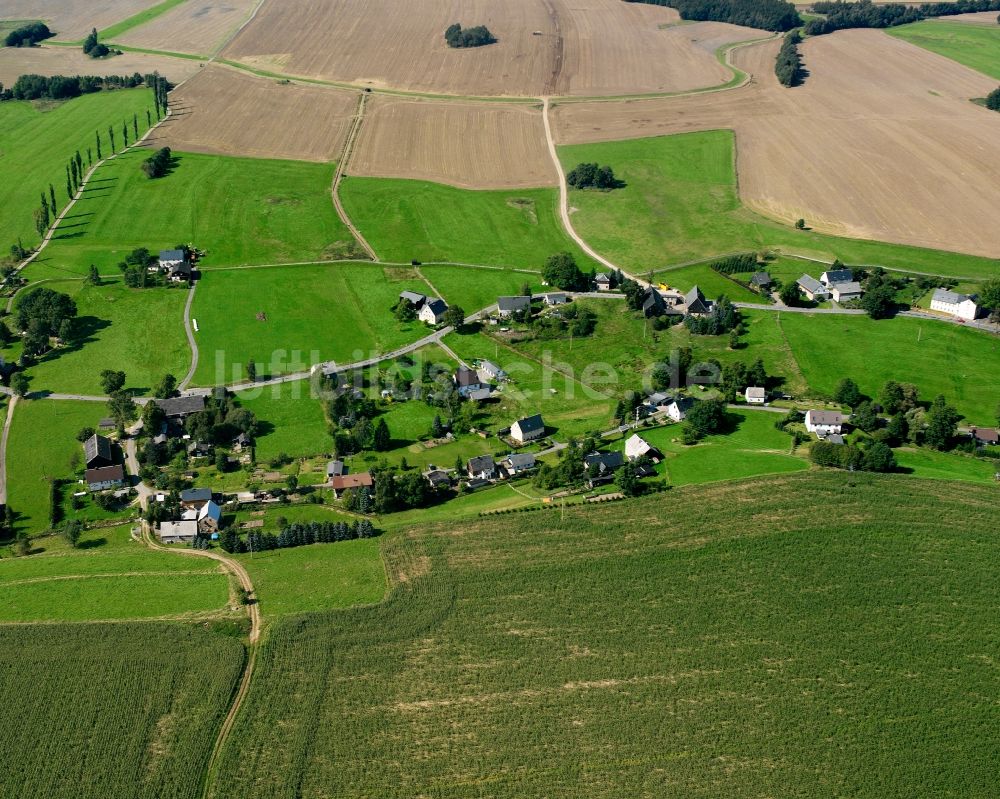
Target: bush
28,35
478,36
788,66
993,98
592,176
157,165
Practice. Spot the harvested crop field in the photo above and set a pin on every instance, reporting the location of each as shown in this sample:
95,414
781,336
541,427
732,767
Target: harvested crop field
853,156
222,113
587,47
472,146
17,61
73,19
197,26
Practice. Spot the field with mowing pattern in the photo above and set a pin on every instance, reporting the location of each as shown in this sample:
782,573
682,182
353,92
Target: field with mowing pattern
976,46
114,709
474,289
653,647
291,422
195,26
71,20
411,219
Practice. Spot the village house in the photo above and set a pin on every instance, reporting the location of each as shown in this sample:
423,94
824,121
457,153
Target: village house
98,452
195,498
181,532
490,371
518,463
985,436
678,408
755,395
695,302
438,478
832,277
653,303
813,289
508,306
104,477
200,449
636,447
466,381
951,302
169,260
845,292
414,298
482,467
481,394
179,408
528,429
658,401
555,298
602,281
242,442
601,466
824,423
432,311
335,469
346,482
209,518
760,280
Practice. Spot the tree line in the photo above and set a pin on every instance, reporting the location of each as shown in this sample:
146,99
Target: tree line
769,15
732,264
457,36
28,35
866,14
788,65
297,535
65,87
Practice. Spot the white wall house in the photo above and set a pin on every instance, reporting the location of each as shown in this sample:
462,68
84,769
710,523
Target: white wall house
432,312
824,423
678,409
951,302
755,395
636,447
528,429
182,532
845,292
813,289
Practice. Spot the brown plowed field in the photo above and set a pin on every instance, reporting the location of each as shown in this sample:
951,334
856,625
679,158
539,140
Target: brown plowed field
583,47
881,142
197,26
73,19
50,60
980,18
475,146
226,112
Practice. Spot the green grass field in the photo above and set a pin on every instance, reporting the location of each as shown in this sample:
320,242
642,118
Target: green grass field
947,465
91,711
311,314
474,289
711,283
291,421
140,331
681,204
411,219
238,210
38,139
976,46
43,446
317,577
809,635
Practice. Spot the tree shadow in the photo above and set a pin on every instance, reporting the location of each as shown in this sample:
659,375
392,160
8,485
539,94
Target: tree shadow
92,543
264,428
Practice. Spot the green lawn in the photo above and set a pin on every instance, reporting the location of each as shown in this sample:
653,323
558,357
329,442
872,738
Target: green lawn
140,331
310,314
238,210
976,46
42,447
412,219
474,289
947,466
711,283
291,421
37,141
317,577
681,204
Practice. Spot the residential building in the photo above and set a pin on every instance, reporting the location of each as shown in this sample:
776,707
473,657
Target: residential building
432,311
760,280
171,259
602,281
104,477
335,469
98,452
508,306
242,442
755,395
107,423
555,298
466,381
200,449
490,371
180,273
677,410
845,292
518,463
179,408
601,466
951,302
342,483
985,436
195,498
415,299
813,289
832,277
658,401
482,467
209,518
653,303
480,394
695,302
528,429
182,532
825,423
438,478
636,446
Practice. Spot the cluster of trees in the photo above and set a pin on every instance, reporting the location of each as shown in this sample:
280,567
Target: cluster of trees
704,418
770,15
41,314
457,36
135,269
64,87
158,164
788,65
875,457
394,491
355,423
733,264
866,14
560,270
737,376
297,535
94,48
993,100
28,35
723,318
879,299
592,176
569,469
577,322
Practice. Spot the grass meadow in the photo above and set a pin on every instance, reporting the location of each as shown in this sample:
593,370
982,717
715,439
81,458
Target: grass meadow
112,709
140,331
680,203
290,421
976,46
946,465
412,219
820,630
288,318
238,210
37,140
473,289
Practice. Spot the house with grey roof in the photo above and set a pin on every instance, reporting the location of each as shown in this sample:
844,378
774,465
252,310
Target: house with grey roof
695,302
482,467
335,469
170,259
951,302
195,498
490,371
555,298
528,429
678,408
602,281
813,289
104,477
518,463
466,381
181,407
601,466
832,277
508,306
825,423
755,395
415,298
432,311
98,452
845,292
760,280
179,532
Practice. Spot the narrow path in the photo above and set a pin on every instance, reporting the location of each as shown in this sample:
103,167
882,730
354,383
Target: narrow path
339,174
3,449
189,330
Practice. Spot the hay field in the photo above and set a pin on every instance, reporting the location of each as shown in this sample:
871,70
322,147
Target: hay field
197,26
73,19
471,146
854,156
17,61
227,112
583,47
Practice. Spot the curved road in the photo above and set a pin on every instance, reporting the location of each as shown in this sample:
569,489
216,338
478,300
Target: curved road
190,337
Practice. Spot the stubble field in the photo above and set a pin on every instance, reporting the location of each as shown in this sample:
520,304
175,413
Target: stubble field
73,19
197,26
51,60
